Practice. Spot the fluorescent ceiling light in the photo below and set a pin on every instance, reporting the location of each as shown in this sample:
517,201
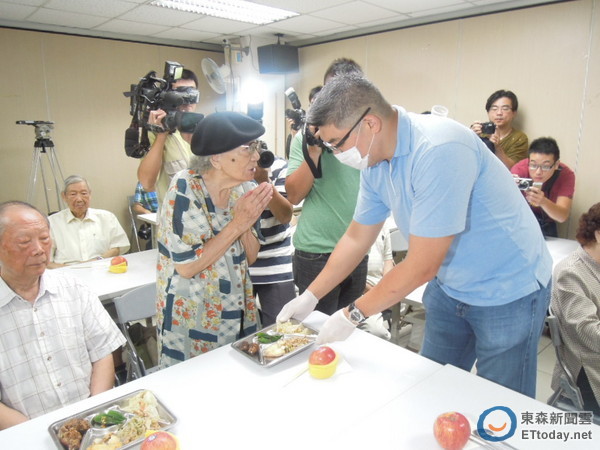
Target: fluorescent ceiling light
239,10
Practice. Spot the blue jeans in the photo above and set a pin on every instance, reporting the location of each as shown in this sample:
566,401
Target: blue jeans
502,339
306,266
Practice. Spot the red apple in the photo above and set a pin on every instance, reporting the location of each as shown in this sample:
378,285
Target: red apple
160,440
118,260
452,430
321,356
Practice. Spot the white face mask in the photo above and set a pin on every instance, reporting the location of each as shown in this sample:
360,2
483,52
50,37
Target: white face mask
353,158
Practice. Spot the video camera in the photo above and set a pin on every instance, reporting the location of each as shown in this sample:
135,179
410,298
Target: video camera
153,93
297,115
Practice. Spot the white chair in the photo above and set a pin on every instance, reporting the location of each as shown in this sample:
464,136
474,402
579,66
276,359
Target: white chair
137,304
399,243
568,396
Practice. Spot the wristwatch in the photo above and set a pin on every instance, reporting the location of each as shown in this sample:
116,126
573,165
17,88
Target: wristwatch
355,315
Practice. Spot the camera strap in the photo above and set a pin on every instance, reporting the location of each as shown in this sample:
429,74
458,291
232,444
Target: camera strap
546,188
316,170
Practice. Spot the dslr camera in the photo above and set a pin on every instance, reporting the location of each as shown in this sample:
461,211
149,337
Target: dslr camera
153,93
488,128
297,115
266,157
524,184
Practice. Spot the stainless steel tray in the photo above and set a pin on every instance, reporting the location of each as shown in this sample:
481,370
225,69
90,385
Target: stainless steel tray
167,420
259,357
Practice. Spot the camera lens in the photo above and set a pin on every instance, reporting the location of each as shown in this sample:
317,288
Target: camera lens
266,159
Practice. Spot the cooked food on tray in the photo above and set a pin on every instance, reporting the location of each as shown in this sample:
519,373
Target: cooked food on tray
71,433
283,346
276,342
108,442
108,419
116,425
266,338
291,328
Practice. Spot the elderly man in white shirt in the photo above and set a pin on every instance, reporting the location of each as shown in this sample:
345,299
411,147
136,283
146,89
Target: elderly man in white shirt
56,339
80,233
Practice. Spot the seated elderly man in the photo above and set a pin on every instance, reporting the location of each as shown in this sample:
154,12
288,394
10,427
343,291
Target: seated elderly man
80,233
56,339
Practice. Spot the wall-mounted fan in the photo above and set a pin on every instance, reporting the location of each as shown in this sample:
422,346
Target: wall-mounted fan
216,76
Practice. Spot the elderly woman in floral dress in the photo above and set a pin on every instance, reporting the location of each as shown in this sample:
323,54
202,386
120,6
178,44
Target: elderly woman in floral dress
206,239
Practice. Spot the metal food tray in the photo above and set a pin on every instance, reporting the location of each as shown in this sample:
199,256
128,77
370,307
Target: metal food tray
167,420
264,361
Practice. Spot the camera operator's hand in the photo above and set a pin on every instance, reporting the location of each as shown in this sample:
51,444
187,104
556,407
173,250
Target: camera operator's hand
250,206
476,127
156,117
495,139
261,175
535,196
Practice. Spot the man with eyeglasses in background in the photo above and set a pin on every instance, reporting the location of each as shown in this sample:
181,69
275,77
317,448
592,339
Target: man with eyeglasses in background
470,235
508,144
80,233
552,203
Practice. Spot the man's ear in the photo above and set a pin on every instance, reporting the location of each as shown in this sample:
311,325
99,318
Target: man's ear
373,122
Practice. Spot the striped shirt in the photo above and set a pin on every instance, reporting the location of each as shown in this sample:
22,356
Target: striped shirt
274,261
47,347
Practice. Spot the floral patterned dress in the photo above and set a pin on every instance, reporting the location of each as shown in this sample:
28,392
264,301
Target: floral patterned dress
215,307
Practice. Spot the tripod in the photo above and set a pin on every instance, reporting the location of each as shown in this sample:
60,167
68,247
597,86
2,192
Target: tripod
44,146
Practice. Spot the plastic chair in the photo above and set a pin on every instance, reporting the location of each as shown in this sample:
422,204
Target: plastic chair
568,396
137,304
133,218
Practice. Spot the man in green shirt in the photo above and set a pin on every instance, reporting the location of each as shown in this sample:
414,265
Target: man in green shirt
328,207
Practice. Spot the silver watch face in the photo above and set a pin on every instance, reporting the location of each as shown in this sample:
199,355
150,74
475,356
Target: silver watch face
356,315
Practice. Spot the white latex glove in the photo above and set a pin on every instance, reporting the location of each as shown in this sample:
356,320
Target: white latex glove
337,328
298,308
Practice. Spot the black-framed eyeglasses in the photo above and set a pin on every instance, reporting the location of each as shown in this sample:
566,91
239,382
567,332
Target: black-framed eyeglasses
342,141
544,167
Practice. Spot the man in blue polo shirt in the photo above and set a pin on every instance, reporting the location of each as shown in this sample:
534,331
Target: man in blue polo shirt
471,236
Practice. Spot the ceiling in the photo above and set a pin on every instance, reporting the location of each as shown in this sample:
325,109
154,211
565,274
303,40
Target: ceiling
318,20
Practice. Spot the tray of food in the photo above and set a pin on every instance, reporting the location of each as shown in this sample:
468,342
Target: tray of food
276,343
118,424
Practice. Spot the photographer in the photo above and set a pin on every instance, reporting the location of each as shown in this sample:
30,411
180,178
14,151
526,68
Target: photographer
552,203
170,152
508,144
329,203
295,119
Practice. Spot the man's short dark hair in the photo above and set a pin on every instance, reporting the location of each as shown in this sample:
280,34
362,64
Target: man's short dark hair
499,94
187,74
342,66
313,93
545,145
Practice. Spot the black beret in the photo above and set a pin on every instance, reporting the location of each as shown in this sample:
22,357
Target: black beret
223,131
